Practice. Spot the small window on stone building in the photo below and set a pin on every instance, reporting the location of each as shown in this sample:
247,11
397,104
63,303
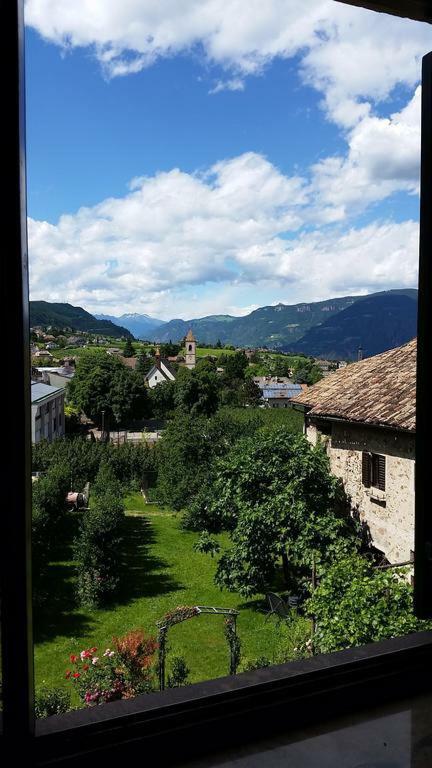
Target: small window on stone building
373,470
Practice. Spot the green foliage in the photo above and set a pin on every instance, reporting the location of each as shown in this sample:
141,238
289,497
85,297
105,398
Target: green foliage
356,603
235,367
97,547
162,399
51,701
250,393
197,391
276,495
179,673
81,459
306,372
183,459
207,544
128,350
248,665
103,383
48,513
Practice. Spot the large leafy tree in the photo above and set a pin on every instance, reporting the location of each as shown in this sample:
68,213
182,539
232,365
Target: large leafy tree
356,603
197,391
103,384
276,495
184,456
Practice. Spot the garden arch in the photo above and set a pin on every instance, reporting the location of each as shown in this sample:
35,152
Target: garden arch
185,612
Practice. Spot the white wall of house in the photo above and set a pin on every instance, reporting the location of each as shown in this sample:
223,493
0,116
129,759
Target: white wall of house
388,514
48,420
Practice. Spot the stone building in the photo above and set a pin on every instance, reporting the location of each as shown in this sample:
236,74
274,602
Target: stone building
365,416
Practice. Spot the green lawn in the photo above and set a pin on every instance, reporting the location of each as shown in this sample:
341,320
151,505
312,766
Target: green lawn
161,571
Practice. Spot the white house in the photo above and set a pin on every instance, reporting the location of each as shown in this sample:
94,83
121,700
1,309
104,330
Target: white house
161,371
47,412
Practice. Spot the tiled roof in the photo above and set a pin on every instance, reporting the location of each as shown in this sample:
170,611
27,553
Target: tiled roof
380,390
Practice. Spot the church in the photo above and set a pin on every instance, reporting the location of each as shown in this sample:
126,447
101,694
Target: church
161,370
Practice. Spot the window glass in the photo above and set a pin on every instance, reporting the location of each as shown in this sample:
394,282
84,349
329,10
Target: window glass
223,225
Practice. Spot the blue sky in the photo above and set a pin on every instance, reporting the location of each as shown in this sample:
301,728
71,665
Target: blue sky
190,169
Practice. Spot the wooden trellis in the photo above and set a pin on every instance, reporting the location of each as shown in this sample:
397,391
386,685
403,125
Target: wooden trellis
184,612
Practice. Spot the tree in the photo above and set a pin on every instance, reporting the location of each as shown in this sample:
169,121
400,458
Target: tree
356,603
162,399
143,363
197,391
305,371
276,495
183,456
250,393
128,350
235,367
103,384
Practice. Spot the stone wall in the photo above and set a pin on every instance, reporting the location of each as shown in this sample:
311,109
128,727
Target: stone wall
389,514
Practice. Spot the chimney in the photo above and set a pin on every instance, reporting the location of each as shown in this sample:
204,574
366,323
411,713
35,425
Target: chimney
360,354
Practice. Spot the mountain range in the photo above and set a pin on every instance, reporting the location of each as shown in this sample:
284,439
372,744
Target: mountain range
67,316
375,323
332,329
140,326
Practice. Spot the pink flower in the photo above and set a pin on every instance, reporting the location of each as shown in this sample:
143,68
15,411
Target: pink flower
95,659
111,653
107,652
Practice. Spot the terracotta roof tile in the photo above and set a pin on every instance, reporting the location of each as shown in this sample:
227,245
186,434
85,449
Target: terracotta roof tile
380,390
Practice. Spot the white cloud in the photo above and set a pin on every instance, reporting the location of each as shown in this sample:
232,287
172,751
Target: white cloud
383,158
183,244
349,54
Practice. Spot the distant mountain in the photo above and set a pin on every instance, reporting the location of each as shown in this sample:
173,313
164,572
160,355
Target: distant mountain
273,326
141,326
68,316
377,323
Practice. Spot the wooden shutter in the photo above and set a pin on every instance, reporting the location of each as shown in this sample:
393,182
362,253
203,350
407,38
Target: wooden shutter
381,473
366,469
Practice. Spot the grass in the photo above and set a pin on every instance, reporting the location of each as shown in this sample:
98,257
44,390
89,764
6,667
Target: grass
161,570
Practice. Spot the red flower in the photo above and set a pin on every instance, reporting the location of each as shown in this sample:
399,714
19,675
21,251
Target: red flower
68,674
93,650
73,658
85,667
76,674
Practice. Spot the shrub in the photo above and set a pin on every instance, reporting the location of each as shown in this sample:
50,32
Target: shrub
248,665
116,674
51,701
179,673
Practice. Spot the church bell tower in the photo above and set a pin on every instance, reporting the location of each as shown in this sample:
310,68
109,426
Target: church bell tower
190,350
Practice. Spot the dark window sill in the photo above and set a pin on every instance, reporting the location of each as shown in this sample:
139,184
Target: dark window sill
181,723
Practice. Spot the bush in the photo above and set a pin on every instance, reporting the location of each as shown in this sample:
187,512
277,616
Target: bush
248,665
115,674
356,603
51,701
179,673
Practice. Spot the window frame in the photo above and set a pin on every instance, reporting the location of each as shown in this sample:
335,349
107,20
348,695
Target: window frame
179,723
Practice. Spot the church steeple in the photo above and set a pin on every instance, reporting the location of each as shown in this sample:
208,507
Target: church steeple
190,350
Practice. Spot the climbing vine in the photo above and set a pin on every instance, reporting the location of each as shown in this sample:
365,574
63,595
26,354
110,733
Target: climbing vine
185,612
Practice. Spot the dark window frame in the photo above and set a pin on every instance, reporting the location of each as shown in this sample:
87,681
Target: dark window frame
181,722
373,470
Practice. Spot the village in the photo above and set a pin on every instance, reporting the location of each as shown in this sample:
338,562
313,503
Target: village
171,432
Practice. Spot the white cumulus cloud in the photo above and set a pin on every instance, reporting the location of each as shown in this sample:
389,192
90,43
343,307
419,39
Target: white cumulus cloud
180,244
